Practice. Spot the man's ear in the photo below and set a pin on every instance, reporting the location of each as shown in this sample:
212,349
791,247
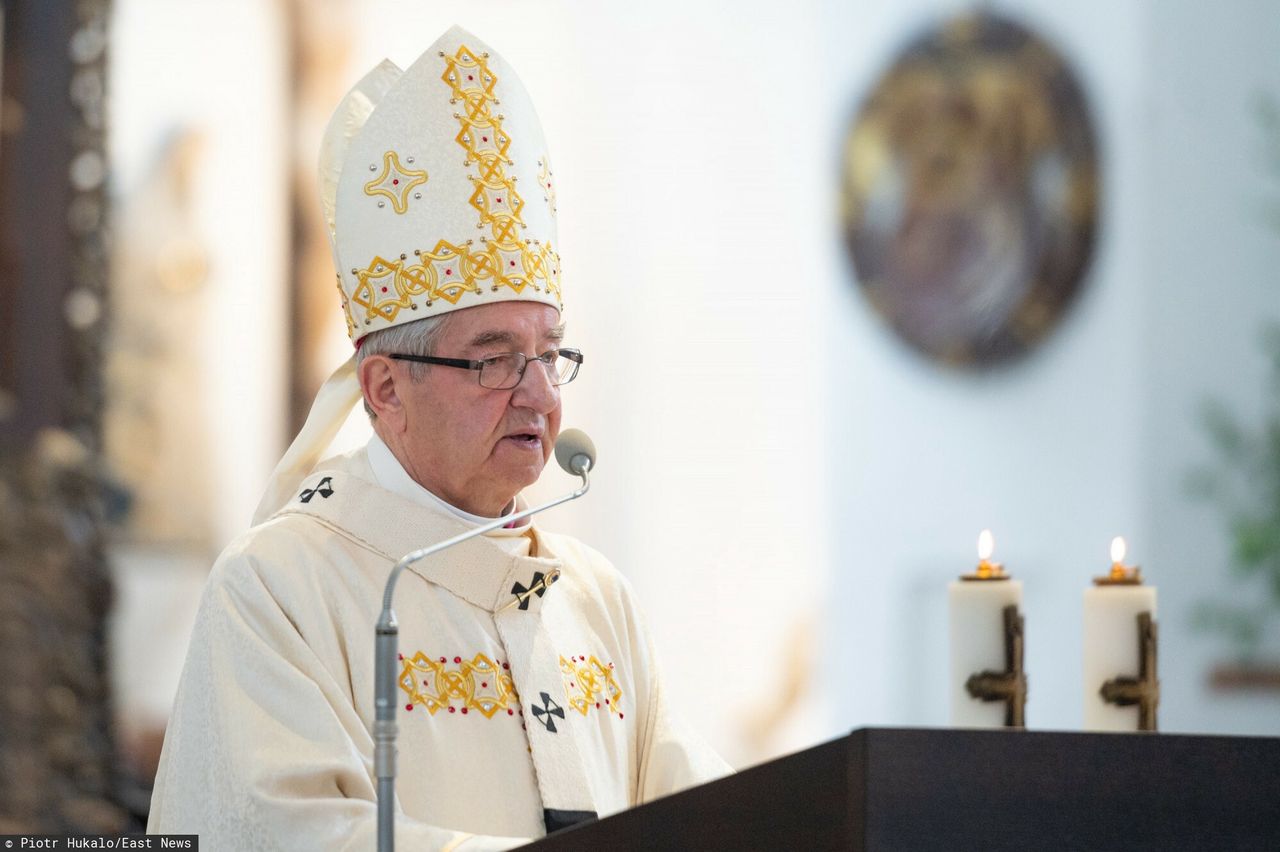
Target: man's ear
379,382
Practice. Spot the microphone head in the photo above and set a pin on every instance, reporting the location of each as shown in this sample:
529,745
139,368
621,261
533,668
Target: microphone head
575,452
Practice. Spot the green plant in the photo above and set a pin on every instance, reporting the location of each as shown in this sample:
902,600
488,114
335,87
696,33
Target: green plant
1246,484
1246,481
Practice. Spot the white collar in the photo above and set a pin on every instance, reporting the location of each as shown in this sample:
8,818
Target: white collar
392,476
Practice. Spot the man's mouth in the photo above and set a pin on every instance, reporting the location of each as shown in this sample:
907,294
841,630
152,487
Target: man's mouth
528,440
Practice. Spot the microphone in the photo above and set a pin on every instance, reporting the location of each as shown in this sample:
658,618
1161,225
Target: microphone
577,455
575,452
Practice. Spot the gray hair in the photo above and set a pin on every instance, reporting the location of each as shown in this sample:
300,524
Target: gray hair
412,338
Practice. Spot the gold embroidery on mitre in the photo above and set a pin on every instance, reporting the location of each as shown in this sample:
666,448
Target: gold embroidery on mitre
588,684
396,181
383,289
546,179
478,684
346,309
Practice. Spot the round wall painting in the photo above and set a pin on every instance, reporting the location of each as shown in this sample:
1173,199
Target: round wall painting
970,191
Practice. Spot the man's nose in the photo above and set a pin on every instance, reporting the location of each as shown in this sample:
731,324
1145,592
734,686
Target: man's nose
536,389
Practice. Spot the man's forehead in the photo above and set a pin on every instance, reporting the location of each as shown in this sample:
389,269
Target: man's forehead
504,322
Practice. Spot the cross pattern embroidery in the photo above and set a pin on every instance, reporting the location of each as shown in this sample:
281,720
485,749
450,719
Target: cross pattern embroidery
544,713
524,594
324,488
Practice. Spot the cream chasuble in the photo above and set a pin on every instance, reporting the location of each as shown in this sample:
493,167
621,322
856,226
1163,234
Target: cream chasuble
516,716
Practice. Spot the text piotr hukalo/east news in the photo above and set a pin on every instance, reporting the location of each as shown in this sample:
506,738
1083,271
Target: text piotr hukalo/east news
137,841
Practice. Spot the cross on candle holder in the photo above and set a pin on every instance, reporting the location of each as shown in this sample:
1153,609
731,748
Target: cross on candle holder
1010,685
1144,690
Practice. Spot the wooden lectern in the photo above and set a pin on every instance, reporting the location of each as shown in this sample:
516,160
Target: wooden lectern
908,789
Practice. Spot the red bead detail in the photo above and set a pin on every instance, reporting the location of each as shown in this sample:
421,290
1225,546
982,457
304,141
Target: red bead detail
469,77
401,656
505,666
499,200
622,716
606,701
457,659
512,262
448,272
511,712
453,709
597,705
384,289
395,181
571,684
408,706
483,684
464,711
443,660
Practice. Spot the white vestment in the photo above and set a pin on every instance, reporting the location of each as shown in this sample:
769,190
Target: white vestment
517,708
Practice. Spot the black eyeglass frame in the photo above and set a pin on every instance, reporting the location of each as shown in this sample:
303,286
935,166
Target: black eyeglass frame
573,355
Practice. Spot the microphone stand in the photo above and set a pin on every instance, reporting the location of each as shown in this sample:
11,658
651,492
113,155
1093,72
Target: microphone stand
386,642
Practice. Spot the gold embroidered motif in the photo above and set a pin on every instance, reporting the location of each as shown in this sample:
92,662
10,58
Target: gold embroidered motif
589,683
546,179
385,287
486,143
476,684
346,309
396,181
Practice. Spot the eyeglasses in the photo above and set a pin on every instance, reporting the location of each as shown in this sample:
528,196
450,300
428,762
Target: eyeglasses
505,370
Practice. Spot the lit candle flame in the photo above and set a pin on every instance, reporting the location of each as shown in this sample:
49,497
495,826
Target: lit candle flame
986,545
1117,550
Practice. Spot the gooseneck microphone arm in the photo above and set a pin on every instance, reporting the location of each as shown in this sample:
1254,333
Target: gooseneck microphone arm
576,455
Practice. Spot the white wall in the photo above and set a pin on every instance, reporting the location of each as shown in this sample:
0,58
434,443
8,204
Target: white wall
1212,281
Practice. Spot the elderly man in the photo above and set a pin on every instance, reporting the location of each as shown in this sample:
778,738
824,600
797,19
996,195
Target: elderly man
526,706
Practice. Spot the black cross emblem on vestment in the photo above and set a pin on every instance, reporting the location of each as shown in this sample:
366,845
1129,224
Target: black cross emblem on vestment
544,713
536,587
323,488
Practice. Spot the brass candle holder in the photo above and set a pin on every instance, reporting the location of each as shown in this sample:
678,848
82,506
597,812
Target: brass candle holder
1010,685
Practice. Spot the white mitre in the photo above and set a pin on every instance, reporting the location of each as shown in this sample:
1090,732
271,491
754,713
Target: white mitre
436,188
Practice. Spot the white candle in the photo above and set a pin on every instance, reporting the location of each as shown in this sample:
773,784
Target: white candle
1111,647
977,603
